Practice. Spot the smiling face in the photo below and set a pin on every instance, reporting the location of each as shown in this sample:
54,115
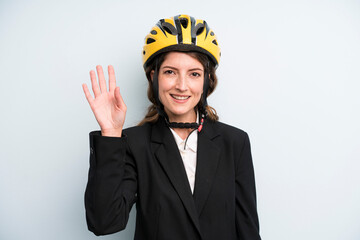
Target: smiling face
181,79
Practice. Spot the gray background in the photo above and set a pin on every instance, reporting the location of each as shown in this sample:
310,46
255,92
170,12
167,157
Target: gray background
289,76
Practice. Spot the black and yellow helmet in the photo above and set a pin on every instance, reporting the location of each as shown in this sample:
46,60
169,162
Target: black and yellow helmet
181,33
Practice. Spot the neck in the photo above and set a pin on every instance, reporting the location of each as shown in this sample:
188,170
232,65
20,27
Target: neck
183,132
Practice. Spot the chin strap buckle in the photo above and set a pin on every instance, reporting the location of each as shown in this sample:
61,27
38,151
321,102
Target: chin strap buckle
201,124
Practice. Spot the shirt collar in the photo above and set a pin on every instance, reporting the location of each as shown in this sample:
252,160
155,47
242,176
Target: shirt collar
191,142
192,139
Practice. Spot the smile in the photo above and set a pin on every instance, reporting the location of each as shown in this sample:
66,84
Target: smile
177,97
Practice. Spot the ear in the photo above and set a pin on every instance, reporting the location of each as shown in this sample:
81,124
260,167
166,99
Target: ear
152,74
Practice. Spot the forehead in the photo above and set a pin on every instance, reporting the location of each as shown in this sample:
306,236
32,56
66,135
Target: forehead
181,60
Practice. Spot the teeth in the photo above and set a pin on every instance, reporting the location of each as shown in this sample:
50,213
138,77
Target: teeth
179,97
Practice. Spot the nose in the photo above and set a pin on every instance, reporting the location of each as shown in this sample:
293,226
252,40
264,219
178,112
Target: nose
181,83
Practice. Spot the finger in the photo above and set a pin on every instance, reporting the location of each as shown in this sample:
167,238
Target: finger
88,96
112,80
94,83
101,77
119,100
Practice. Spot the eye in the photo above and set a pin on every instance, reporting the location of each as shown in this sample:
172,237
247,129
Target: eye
195,74
168,72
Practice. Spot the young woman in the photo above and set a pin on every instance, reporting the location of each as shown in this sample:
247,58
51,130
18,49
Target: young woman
190,175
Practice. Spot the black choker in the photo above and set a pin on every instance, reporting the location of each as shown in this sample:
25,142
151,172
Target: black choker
193,125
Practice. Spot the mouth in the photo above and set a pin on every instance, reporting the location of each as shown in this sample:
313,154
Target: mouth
179,97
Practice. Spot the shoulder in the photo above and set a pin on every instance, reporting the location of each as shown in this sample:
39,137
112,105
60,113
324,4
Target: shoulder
228,131
138,131
229,137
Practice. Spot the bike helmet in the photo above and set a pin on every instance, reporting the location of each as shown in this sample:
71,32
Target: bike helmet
181,33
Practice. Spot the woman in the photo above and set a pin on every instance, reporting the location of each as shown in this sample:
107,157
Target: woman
190,176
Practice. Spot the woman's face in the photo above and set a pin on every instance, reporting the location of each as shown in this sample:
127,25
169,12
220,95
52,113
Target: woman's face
181,79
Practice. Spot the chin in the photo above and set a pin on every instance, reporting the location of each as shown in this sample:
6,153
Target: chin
179,113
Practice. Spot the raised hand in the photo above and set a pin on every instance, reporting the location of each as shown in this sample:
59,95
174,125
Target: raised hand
108,106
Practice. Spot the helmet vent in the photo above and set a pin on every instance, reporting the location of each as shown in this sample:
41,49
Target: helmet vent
169,28
150,40
199,28
215,42
184,22
199,31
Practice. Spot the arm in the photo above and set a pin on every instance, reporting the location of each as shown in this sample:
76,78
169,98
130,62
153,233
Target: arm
112,184
247,223
111,188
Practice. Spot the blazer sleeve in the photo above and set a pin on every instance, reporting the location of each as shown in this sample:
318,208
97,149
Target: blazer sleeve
112,184
247,223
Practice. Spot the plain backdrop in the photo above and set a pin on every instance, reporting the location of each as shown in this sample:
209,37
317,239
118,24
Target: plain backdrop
289,76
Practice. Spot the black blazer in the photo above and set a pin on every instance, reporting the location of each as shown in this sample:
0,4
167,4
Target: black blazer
145,166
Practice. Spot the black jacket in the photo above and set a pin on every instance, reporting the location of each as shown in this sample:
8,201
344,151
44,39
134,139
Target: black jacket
145,166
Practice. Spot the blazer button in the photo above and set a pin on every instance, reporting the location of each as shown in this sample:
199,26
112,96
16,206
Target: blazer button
91,150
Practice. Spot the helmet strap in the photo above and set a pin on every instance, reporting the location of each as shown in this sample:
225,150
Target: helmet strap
155,83
205,90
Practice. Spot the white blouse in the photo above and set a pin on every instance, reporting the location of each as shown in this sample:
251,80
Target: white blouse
188,155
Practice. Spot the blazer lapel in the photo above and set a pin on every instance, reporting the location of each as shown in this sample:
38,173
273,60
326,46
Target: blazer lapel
208,154
167,153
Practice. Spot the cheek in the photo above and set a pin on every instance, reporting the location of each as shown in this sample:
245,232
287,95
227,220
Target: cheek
198,88
164,86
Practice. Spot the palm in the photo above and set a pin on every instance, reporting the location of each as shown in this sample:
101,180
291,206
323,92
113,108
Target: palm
108,106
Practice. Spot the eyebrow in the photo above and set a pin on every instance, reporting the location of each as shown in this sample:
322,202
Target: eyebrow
192,69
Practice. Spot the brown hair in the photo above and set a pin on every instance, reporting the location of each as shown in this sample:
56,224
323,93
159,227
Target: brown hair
152,113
